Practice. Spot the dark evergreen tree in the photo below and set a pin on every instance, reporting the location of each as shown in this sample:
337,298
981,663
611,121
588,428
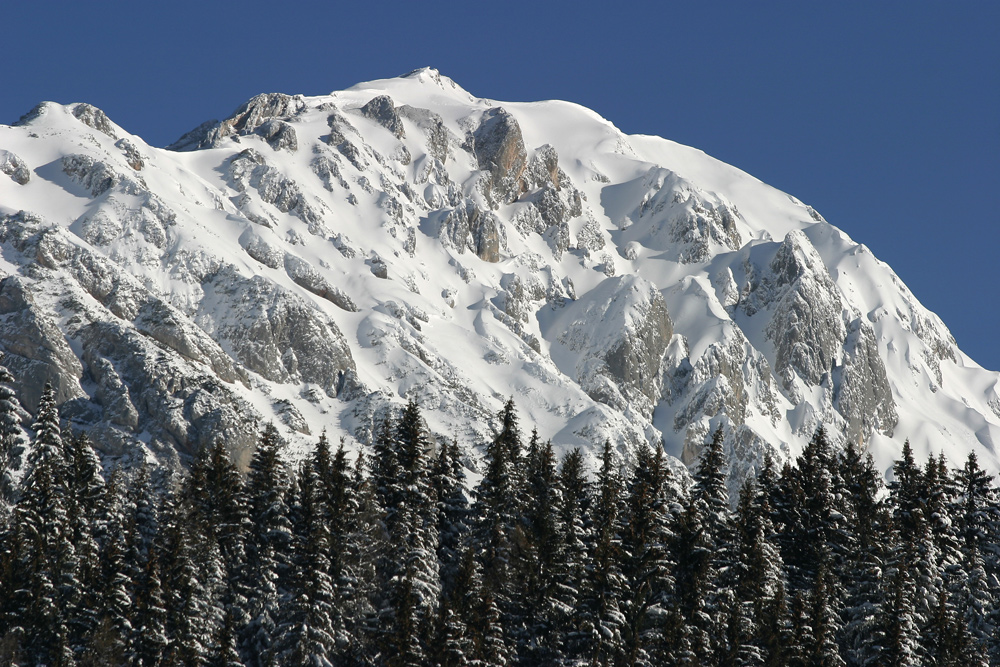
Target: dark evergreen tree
453,512
896,640
12,438
306,633
47,562
267,547
149,620
864,531
758,585
498,508
577,537
598,617
546,599
646,565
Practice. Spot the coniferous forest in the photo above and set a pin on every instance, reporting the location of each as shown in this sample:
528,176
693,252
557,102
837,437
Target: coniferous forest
389,558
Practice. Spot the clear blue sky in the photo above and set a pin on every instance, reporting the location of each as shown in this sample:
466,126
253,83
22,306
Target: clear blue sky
885,116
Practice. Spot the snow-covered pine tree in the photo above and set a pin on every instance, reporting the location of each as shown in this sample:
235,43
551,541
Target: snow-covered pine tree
545,601
824,620
646,564
758,584
12,438
865,527
149,619
577,536
896,641
453,512
189,628
267,547
498,509
977,519
598,615
408,576
305,631
47,561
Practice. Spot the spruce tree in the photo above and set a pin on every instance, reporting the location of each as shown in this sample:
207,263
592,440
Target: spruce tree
305,632
545,599
267,547
646,564
47,560
12,439
578,537
453,512
599,619
149,620
498,508
758,584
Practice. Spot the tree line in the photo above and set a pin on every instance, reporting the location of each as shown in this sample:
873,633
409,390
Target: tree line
387,558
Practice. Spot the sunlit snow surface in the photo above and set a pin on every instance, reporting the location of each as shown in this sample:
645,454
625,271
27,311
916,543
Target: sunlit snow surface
461,334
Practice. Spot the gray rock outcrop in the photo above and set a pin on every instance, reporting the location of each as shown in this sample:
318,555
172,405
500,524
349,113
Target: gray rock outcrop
245,120
383,111
34,348
499,150
621,359
93,117
274,333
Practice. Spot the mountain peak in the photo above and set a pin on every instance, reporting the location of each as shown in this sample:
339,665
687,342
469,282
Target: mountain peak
316,260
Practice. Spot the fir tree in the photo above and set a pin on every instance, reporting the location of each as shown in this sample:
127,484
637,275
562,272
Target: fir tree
306,634
758,581
47,559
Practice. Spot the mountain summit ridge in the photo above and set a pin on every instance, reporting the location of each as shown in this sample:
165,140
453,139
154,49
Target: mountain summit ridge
313,260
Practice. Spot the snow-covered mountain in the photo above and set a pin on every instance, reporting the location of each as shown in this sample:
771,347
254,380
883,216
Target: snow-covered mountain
311,260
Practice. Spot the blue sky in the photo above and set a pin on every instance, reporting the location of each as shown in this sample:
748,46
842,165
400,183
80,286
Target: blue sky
884,116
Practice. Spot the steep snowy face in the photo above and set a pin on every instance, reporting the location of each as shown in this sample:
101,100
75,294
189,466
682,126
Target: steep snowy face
314,260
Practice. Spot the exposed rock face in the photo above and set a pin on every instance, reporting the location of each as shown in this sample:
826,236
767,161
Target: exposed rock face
675,216
275,333
620,362
499,150
170,328
132,154
250,169
94,176
95,118
864,396
806,325
438,137
14,167
35,350
303,274
245,120
383,112
182,409
470,228
279,134
814,342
